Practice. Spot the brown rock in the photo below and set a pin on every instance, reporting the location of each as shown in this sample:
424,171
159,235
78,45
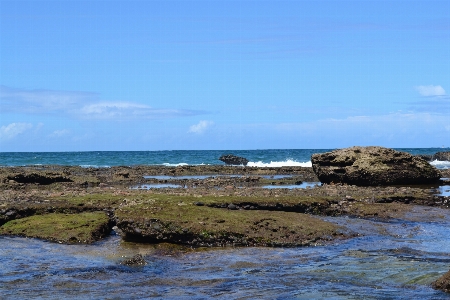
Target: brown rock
370,166
443,283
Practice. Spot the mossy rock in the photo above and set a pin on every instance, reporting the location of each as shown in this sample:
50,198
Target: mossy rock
372,166
82,228
181,220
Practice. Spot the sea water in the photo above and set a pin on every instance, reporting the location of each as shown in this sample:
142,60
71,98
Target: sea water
389,260
257,158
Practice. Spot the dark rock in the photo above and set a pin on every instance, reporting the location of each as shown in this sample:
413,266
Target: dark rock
441,156
232,207
136,260
199,203
39,178
442,283
230,159
371,166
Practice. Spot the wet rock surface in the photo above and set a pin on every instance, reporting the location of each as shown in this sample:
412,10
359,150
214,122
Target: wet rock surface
231,159
443,283
217,210
137,260
372,166
442,156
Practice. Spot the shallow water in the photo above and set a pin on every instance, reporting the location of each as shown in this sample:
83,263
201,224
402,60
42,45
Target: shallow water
201,177
155,186
303,185
443,190
166,177
391,260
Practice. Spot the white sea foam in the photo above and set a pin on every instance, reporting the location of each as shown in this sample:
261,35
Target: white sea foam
174,165
286,163
440,164
95,166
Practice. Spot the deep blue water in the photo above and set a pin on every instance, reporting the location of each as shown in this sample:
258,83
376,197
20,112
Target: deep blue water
269,157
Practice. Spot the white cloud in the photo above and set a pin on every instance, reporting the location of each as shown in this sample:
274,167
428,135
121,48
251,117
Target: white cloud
41,101
12,130
200,127
59,133
430,90
80,105
128,111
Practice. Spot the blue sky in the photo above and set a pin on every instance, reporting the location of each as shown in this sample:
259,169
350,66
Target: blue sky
165,75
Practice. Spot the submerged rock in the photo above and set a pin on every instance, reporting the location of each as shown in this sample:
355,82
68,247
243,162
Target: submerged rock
443,283
371,166
230,159
136,260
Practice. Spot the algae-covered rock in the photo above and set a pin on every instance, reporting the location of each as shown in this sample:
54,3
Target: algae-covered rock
181,220
39,177
65,228
370,166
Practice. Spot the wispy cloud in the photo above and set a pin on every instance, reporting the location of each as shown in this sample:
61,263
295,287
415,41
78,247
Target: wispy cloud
200,127
14,129
59,133
430,90
81,105
42,101
129,111
434,99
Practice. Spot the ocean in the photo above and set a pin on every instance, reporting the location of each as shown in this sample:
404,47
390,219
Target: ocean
257,158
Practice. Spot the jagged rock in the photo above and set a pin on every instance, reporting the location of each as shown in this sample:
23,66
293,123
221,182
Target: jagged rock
441,156
370,166
230,159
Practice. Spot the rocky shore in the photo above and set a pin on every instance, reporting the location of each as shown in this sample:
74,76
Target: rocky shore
205,206
212,205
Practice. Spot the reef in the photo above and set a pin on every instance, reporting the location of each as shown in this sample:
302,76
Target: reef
211,205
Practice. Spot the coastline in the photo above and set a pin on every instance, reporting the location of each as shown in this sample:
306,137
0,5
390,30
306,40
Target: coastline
213,205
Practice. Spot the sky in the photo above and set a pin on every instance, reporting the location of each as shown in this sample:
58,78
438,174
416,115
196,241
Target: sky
206,75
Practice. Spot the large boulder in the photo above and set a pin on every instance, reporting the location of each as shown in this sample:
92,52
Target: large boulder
369,166
230,159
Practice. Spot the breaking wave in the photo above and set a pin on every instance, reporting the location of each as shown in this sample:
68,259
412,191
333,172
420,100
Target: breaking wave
286,163
440,164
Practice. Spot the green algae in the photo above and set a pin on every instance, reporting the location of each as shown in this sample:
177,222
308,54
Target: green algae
65,228
183,220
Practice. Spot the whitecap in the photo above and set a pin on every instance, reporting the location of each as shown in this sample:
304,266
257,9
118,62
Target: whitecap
174,165
441,164
286,163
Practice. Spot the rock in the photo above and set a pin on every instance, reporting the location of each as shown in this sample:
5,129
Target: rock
39,178
136,260
441,156
232,207
230,159
442,283
371,166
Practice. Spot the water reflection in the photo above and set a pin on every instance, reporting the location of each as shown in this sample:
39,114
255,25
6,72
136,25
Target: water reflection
155,186
443,190
303,185
390,260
